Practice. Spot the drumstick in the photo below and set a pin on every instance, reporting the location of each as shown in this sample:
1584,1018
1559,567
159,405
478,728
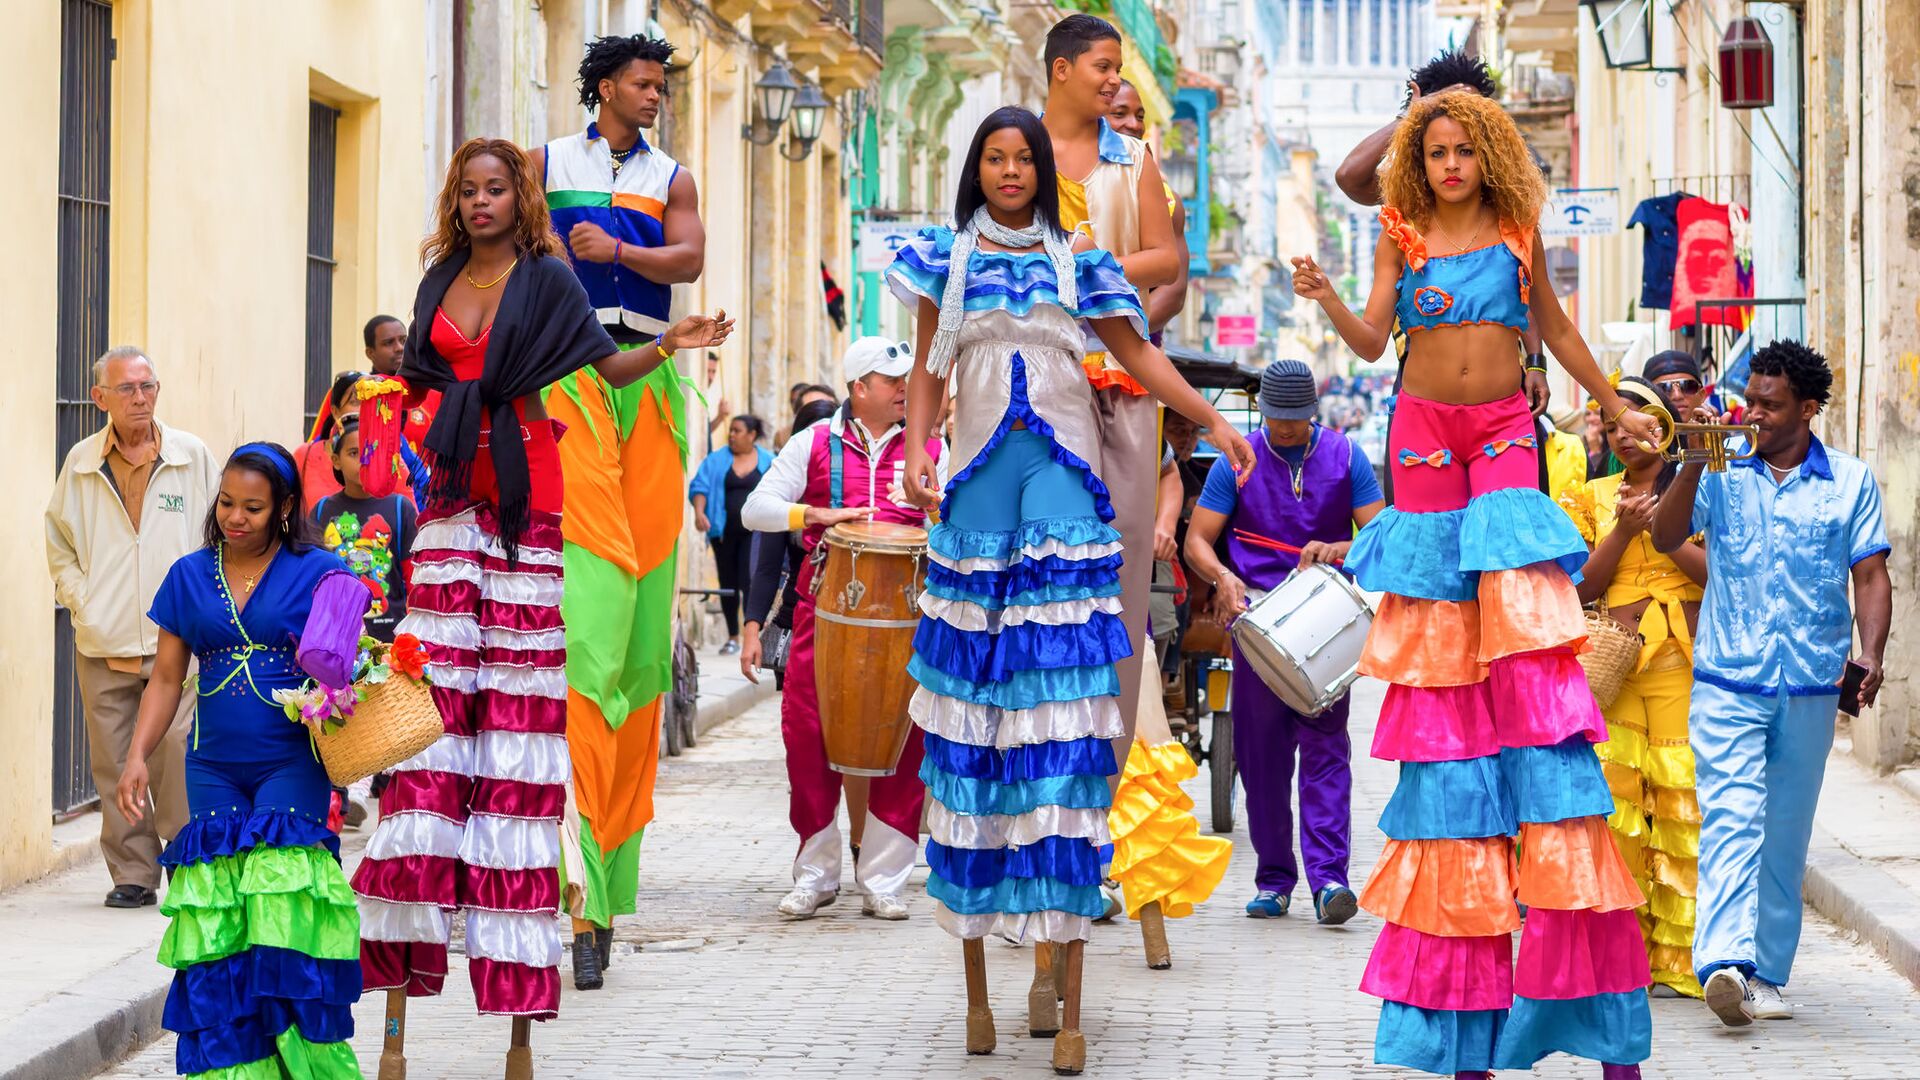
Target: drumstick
1257,540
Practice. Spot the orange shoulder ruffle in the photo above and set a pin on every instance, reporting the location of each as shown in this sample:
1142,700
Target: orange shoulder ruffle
1412,244
1519,240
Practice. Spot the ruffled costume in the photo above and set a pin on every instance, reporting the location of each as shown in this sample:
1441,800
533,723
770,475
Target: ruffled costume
1159,854
1020,631
473,822
1647,759
264,939
1489,714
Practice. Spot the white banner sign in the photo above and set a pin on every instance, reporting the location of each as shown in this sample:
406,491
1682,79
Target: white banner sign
879,240
1582,212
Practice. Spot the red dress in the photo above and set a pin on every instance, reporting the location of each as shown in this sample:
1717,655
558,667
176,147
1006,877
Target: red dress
468,359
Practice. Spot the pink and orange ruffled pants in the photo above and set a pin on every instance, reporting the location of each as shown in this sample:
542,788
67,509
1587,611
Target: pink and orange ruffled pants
1501,800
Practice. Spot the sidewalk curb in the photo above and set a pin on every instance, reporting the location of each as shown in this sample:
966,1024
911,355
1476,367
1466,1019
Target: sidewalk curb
714,712
89,1027
1866,900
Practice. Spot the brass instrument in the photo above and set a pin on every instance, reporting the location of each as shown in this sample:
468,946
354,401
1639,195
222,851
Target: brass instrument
1701,443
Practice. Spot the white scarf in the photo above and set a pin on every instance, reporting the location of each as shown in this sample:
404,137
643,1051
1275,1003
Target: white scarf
953,304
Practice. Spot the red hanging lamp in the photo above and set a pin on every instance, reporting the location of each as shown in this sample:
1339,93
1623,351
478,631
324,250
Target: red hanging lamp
1746,65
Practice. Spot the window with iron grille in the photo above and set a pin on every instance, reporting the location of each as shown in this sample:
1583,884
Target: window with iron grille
323,128
86,82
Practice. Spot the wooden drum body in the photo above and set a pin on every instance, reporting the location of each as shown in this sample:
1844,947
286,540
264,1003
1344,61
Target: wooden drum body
867,604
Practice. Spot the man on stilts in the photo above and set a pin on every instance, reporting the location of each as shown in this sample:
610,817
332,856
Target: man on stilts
629,215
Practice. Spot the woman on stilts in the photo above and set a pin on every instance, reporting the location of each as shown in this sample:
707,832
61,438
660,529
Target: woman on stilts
472,823
264,938
1488,711
1016,648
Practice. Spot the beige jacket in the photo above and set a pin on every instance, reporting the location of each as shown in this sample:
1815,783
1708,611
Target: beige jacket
102,573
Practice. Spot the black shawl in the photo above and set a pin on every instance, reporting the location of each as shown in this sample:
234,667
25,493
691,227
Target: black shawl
544,330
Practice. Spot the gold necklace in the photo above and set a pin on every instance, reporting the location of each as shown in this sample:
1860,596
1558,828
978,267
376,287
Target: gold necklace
248,580
1457,248
495,281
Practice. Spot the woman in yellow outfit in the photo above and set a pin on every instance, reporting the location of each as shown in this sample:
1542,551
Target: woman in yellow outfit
1646,758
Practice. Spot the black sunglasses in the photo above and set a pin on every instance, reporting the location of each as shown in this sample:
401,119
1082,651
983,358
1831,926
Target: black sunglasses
1685,386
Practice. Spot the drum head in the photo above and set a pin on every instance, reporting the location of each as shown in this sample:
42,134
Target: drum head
881,535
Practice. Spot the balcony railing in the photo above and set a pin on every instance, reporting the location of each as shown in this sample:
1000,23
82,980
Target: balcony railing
873,26
841,10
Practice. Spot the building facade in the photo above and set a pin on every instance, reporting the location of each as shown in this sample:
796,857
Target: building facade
239,222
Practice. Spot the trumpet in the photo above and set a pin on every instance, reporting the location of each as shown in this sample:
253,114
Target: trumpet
1701,443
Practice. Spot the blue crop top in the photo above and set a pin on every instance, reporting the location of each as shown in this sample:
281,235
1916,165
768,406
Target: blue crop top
1488,284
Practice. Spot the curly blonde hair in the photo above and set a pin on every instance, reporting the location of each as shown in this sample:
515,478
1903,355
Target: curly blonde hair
1509,180
532,227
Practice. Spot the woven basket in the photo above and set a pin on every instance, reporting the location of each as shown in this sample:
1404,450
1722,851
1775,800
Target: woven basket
1614,654
396,721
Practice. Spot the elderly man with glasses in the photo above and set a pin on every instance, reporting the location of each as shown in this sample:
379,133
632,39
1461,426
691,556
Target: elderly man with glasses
130,499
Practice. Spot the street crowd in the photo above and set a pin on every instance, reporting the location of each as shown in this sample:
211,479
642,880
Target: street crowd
486,498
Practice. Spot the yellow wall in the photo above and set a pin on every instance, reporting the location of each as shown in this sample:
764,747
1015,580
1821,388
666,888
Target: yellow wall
29,82
208,248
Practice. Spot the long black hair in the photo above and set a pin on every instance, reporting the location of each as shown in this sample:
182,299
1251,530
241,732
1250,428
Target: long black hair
275,462
1046,189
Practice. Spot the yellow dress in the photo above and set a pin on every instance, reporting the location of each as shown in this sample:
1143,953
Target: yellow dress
1646,757
1158,851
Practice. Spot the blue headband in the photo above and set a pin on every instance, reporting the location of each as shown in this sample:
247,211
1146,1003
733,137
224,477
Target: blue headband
281,462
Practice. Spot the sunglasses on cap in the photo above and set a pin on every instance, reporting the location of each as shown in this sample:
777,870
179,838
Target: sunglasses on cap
895,352
1686,384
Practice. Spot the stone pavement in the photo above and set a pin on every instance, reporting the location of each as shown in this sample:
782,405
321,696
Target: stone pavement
706,981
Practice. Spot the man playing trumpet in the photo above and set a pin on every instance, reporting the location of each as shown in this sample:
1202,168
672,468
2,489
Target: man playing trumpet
1786,529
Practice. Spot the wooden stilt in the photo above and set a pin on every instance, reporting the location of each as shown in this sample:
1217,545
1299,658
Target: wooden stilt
520,1050
980,1038
1043,999
1153,934
393,1058
1070,1047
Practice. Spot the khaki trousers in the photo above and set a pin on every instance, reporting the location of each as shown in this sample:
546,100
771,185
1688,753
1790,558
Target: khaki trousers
1130,467
112,702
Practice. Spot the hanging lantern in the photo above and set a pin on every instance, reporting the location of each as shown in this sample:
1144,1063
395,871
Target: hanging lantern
1746,65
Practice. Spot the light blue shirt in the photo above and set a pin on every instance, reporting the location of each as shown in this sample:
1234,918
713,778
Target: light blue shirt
1776,617
710,479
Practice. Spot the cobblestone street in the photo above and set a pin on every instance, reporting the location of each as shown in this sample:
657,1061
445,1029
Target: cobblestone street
706,981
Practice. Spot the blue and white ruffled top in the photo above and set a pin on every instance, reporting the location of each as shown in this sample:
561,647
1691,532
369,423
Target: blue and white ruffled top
1020,350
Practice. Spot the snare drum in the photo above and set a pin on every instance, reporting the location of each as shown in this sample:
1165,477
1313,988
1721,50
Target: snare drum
1304,638
867,604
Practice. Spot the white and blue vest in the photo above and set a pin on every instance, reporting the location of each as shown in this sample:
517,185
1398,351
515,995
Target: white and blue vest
631,207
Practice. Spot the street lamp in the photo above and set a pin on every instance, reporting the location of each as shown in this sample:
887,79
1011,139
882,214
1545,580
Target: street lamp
776,90
1626,33
809,115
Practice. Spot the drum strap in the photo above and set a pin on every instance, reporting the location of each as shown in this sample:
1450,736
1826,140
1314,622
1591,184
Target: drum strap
836,470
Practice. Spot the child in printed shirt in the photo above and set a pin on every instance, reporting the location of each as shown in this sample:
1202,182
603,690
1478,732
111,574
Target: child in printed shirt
374,536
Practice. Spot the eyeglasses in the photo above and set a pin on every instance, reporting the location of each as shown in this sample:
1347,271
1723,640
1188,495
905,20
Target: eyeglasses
1683,384
127,390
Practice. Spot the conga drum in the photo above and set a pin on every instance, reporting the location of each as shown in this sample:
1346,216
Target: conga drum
867,604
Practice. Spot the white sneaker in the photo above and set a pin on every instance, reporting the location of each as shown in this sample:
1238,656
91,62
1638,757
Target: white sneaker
883,906
1766,1002
1730,997
802,903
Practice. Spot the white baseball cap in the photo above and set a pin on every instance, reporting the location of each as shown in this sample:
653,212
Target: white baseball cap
870,354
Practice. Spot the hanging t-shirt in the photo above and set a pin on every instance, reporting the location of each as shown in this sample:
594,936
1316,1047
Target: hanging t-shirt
1660,249
1705,269
374,537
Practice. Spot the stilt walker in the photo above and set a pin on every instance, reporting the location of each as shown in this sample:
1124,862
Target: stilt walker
1015,654
629,217
1488,711
472,822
